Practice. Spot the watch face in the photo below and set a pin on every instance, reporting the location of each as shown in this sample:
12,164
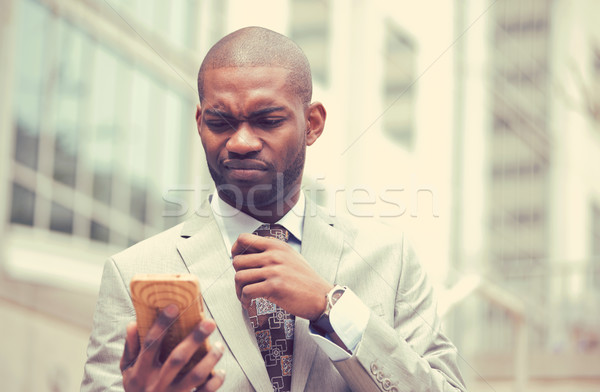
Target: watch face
336,295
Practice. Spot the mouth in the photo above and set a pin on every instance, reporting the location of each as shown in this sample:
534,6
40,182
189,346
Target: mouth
244,164
245,170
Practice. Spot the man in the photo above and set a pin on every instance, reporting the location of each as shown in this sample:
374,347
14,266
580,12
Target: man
356,306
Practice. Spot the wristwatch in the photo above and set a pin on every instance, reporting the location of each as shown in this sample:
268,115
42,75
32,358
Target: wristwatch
322,324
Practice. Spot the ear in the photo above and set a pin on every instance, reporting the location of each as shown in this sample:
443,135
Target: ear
315,118
198,117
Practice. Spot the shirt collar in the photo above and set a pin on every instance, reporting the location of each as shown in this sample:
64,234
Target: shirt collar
234,222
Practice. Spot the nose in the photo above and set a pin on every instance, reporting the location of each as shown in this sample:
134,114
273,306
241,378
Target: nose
244,140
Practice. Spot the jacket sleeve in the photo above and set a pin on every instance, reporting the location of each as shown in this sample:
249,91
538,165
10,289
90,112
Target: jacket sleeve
412,354
113,311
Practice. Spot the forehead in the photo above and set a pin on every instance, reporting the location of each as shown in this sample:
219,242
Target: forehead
245,89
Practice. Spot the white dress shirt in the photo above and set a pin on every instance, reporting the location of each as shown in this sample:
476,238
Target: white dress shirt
348,317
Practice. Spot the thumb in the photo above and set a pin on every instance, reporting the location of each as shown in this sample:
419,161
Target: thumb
132,346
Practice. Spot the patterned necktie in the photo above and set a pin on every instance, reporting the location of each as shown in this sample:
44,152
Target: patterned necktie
274,327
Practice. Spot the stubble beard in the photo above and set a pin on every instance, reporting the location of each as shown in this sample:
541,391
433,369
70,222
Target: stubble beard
279,192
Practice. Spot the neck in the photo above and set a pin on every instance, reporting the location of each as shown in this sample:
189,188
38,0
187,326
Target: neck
271,212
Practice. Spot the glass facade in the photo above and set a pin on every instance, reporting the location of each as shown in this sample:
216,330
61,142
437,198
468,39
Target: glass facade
519,141
310,29
98,136
399,85
595,244
518,166
171,20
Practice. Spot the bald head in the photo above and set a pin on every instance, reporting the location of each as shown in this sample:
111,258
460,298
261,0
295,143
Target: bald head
260,47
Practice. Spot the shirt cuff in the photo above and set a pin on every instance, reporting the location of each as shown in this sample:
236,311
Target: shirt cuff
333,351
348,317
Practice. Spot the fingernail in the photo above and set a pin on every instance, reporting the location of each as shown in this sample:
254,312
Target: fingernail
220,373
171,310
205,328
219,347
199,335
167,315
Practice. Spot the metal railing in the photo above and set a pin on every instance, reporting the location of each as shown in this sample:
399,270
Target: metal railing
571,292
471,285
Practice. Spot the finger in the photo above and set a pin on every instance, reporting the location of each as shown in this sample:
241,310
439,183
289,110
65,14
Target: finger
200,373
132,346
183,352
249,243
246,277
252,260
214,382
155,336
255,290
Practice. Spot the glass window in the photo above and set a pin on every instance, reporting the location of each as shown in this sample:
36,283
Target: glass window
178,21
111,141
23,203
171,21
103,116
99,232
61,218
309,28
398,91
594,96
31,43
71,93
140,124
518,237
175,120
595,243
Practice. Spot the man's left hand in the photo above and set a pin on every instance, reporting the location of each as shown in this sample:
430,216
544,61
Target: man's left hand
272,269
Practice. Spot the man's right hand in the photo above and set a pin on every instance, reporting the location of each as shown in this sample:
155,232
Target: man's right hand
142,370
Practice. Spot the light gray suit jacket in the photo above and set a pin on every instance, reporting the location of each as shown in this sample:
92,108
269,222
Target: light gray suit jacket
402,348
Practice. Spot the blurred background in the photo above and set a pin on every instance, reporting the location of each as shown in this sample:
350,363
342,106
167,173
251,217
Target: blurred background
472,124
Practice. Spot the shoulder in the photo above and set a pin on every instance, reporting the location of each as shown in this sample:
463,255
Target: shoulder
161,242
376,261
368,235
159,253
357,228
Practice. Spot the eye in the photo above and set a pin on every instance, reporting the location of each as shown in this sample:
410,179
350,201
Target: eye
219,125
269,122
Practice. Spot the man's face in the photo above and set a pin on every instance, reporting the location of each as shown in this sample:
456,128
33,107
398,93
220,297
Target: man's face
253,129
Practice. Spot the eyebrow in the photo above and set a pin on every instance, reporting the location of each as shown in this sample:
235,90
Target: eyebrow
264,111
254,114
218,113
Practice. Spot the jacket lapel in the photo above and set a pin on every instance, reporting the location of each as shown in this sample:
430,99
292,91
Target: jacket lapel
205,255
322,246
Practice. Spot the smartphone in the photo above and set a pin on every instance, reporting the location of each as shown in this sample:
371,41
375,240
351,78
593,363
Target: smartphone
151,293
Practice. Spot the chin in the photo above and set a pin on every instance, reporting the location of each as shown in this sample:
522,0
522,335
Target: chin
250,195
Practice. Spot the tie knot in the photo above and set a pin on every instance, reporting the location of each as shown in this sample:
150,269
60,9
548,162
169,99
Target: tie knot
273,231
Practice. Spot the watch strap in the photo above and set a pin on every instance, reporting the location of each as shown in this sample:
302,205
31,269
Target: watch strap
323,324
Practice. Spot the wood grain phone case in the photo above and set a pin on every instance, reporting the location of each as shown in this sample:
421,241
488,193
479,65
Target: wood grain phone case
151,293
